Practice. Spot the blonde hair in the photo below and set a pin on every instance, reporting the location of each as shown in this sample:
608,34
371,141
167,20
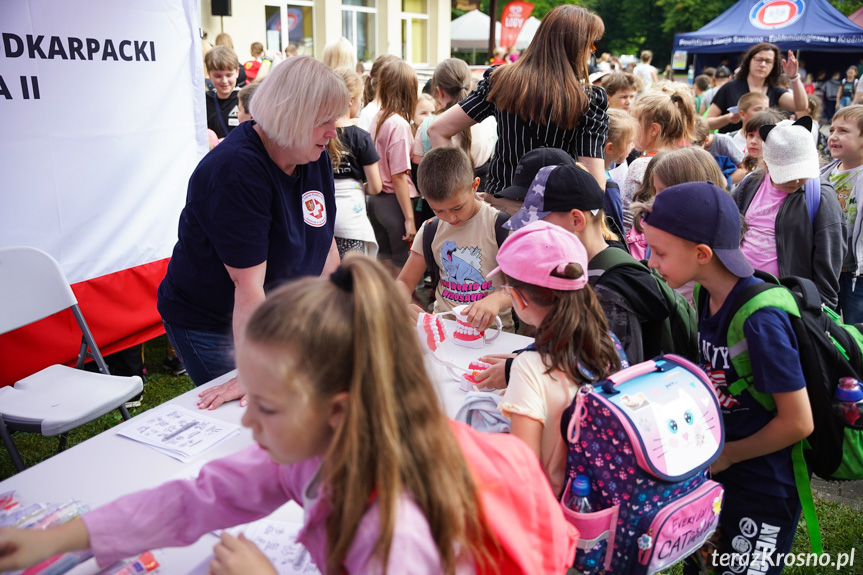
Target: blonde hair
352,81
297,95
749,99
678,166
394,438
340,54
672,107
221,58
853,113
224,39
622,128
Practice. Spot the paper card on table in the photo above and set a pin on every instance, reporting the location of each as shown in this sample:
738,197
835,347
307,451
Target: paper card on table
278,541
179,432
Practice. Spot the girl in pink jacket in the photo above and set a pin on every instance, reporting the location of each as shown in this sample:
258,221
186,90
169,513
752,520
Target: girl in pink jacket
348,425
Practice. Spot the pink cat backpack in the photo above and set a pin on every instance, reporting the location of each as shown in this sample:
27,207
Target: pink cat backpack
645,438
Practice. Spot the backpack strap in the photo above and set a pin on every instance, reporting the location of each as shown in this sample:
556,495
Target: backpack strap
804,492
752,299
610,258
812,191
428,236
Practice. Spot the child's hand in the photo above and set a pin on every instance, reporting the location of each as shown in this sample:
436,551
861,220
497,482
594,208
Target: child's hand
410,231
20,548
481,314
238,555
414,311
494,376
722,463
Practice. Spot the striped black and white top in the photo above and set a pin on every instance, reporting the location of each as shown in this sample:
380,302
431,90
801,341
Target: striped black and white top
516,136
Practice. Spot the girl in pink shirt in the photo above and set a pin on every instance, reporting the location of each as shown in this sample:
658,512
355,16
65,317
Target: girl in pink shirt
392,212
348,425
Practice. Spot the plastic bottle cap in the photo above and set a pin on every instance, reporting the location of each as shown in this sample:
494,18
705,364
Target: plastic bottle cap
849,390
581,486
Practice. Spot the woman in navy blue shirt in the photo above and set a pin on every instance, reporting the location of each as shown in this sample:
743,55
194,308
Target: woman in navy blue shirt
260,210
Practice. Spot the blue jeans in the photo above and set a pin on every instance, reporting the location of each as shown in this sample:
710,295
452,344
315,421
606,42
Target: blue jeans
851,300
206,354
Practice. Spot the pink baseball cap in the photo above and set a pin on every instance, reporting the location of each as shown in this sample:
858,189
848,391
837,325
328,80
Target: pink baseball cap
533,252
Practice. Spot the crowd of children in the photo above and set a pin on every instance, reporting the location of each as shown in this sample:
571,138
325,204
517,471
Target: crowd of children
346,419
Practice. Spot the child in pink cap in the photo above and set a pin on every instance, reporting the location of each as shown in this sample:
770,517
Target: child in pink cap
544,270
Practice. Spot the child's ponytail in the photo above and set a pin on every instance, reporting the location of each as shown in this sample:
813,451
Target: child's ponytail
352,335
672,108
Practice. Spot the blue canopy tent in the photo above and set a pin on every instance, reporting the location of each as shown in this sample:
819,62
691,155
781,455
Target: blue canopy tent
810,25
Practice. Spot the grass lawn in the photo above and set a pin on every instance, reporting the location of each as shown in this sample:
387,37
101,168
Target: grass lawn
841,526
160,387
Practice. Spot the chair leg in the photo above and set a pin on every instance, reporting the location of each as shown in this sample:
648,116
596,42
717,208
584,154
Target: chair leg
124,413
10,446
64,440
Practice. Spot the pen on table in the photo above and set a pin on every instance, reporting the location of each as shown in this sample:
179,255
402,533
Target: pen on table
179,431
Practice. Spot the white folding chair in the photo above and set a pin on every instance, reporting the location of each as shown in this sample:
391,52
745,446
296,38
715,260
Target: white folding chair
58,398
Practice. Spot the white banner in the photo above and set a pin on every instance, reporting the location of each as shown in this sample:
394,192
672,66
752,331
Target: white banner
103,120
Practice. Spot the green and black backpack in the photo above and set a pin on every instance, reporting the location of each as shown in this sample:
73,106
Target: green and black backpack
829,350
680,329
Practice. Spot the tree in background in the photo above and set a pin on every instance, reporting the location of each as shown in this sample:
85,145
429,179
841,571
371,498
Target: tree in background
635,25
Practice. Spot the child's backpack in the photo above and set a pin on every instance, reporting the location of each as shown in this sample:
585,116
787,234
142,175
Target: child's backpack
829,351
500,234
680,328
645,437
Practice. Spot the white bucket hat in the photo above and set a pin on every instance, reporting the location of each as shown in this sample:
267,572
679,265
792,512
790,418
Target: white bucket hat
789,150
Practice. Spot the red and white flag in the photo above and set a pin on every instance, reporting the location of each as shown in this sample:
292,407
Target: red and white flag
512,19
103,116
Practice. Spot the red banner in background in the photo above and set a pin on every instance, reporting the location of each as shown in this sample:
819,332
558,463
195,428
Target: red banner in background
514,15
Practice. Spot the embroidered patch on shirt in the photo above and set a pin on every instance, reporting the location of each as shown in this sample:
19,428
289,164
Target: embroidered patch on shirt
314,211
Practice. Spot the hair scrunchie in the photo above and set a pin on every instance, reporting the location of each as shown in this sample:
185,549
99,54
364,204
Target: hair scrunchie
343,279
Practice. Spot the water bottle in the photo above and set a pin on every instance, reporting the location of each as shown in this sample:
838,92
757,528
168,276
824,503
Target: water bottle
690,74
580,493
847,402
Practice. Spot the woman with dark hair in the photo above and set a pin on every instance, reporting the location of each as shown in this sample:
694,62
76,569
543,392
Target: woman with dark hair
542,100
759,72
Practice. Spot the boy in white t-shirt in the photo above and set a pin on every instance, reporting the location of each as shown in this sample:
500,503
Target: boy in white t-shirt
783,237
846,148
464,245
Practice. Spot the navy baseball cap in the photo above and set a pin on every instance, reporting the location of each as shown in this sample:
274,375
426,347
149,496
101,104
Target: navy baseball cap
558,189
705,214
528,166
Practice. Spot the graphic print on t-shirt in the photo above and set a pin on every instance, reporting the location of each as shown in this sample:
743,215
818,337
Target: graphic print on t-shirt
314,212
843,183
461,277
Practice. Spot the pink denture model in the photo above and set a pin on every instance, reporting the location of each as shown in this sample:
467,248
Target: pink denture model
432,331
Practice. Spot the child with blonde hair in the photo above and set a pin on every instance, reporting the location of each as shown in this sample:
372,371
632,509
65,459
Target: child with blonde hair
355,175
622,130
544,268
666,121
347,424
846,148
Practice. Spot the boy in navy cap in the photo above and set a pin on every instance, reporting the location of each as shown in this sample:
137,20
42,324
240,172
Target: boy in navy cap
693,231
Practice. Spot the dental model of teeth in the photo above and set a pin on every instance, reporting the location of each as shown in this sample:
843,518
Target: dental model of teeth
467,335
470,383
432,331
